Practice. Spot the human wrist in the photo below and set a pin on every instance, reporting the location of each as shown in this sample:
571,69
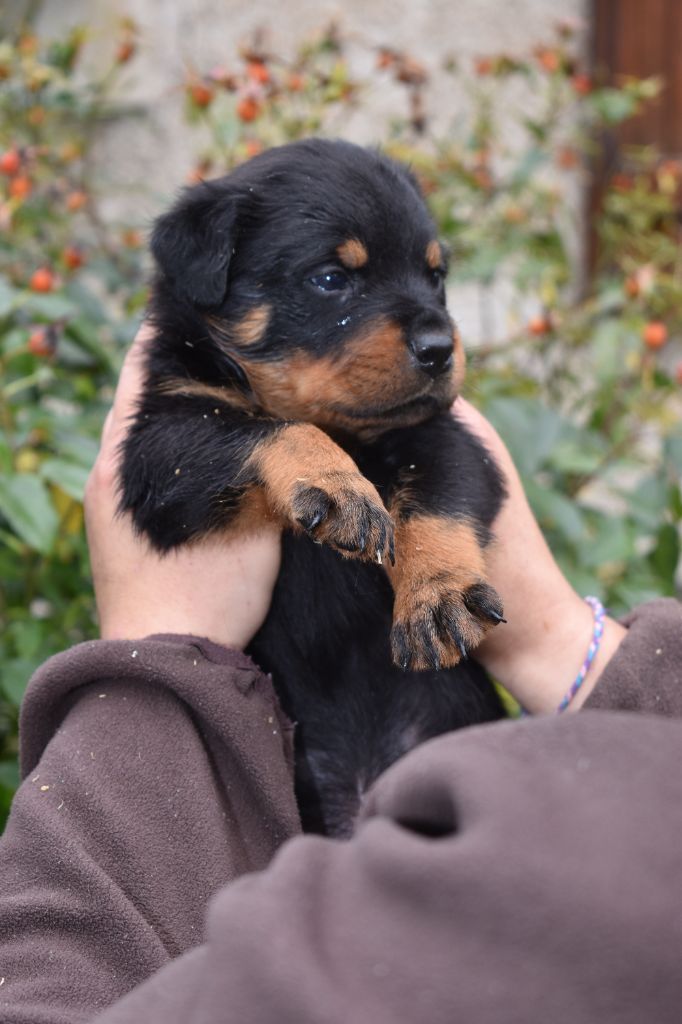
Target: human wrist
540,657
123,626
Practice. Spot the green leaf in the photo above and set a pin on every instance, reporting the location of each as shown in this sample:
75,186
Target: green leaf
649,501
673,451
49,307
15,677
9,774
8,297
67,475
527,427
556,512
666,555
25,504
613,105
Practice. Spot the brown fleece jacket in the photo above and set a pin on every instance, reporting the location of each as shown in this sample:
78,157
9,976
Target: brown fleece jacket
517,872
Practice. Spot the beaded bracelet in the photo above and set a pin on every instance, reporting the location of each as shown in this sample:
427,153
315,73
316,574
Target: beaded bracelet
599,613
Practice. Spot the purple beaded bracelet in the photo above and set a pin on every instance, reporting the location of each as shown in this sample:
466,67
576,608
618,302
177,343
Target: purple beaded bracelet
599,613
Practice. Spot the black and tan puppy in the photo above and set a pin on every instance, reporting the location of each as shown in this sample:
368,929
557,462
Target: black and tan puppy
303,369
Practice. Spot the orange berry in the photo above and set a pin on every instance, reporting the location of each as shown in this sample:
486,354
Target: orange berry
201,94
248,109
253,147
567,158
125,51
622,182
10,162
539,325
258,72
27,44
42,342
42,280
484,66
582,84
131,238
548,59
73,257
295,82
655,334
76,200
20,187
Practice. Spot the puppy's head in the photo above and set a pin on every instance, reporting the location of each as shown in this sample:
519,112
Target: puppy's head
317,273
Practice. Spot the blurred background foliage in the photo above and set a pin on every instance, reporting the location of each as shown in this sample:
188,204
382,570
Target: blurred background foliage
585,391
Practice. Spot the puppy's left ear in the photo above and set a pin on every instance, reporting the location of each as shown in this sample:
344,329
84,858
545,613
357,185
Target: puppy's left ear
193,244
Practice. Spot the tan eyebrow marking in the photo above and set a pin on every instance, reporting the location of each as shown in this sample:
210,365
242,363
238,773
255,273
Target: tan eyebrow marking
352,254
434,254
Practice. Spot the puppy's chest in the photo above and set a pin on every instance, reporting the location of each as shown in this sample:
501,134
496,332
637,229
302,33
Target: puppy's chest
323,606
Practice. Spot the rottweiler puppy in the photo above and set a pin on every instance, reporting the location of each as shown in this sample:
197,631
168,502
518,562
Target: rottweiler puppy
302,371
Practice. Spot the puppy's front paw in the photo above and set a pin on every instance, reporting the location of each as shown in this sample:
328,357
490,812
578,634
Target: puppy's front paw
344,510
439,620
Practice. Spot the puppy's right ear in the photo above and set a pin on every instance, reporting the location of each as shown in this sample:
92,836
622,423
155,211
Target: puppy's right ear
193,244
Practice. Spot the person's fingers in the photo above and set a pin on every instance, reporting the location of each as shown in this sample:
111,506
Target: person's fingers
127,391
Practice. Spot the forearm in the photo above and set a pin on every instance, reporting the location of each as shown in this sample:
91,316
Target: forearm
156,771
486,856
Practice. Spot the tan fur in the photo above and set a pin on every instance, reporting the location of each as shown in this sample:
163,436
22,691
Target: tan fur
353,254
434,254
248,331
197,389
372,370
437,560
300,458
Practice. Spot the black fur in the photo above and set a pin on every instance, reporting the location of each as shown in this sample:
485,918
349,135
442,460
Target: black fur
267,237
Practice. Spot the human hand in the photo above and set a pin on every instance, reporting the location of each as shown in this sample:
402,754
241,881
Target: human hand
219,588
537,654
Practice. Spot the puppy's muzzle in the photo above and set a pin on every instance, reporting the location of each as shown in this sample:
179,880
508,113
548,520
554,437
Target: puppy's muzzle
433,352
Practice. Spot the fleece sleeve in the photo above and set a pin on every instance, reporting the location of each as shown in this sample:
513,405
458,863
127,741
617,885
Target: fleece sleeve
645,674
154,773
518,872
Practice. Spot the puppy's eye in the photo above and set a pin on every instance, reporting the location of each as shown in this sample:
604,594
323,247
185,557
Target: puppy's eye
438,276
331,281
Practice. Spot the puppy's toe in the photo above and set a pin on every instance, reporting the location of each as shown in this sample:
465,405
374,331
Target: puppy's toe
437,624
348,515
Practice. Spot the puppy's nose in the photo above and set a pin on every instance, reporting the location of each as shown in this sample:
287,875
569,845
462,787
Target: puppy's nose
433,352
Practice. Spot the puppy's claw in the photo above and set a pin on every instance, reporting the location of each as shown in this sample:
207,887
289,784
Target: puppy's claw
314,521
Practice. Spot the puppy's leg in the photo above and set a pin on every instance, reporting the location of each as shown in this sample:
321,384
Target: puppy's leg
446,494
443,605
191,467
313,485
